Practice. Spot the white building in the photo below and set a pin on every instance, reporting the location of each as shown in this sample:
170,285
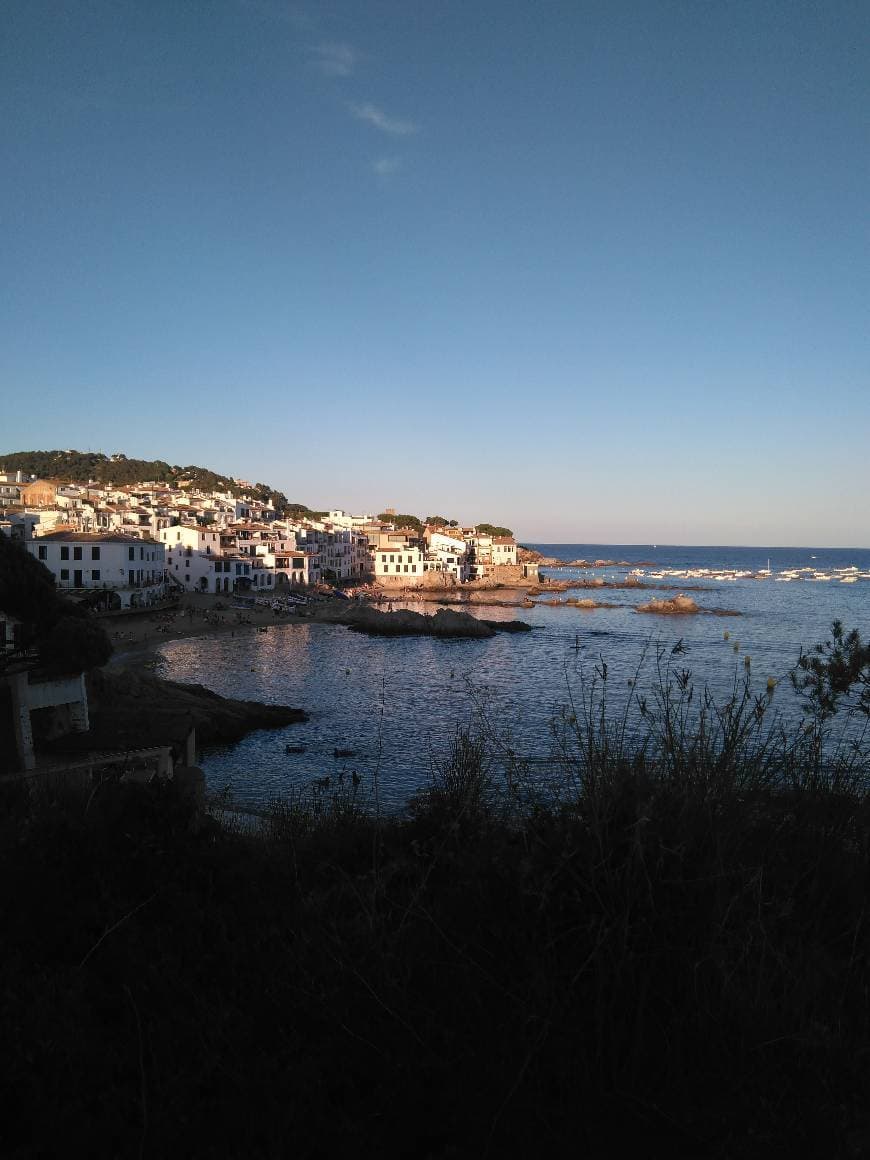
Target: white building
399,560
446,553
504,550
131,568
193,537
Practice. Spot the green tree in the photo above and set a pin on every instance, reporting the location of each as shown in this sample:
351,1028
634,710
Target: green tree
402,520
67,639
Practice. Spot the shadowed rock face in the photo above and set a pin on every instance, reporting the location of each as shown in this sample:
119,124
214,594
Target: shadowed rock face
404,622
132,710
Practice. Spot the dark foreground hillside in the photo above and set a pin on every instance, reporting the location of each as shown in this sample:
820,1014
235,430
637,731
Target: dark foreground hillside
670,954
667,969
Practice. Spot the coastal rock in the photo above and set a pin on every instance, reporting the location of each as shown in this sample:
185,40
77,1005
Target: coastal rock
403,622
682,606
677,606
134,710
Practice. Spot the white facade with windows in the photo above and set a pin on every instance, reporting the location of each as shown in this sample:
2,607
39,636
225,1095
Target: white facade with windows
399,560
198,539
127,565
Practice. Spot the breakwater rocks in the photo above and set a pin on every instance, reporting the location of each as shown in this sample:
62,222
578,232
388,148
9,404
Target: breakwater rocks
403,622
135,710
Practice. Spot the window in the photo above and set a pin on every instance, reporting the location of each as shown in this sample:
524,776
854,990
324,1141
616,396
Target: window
177,536
131,553
95,553
77,553
43,552
187,579
406,567
64,573
64,552
413,567
392,559
398,567
95,573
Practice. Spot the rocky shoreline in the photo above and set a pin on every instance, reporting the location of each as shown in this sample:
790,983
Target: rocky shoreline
131,709
404,622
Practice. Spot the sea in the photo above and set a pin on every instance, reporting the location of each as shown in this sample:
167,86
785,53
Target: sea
388,709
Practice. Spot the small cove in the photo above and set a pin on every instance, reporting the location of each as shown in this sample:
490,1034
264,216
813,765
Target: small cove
396,703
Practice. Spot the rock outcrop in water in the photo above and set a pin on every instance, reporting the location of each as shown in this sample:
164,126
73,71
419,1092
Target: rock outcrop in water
403,622
134,710
682,606
678,606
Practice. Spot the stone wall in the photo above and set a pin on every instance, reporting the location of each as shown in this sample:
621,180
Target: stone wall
426,580
512,575
507,574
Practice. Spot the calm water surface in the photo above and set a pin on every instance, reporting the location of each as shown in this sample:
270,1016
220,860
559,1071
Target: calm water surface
397,702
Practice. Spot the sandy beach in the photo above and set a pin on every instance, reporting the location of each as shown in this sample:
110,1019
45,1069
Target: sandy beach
197,615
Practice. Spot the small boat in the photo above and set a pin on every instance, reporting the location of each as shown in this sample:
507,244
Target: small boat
294,748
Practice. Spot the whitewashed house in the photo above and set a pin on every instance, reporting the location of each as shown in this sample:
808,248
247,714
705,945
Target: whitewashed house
445,553
399,560
191,538
504,550
132,568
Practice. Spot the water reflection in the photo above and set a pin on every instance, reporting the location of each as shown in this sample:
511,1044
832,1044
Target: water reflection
395,703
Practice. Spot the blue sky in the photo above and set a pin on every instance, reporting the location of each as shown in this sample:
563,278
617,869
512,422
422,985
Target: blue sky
599,272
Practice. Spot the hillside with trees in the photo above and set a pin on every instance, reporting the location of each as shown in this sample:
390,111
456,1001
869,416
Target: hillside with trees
119,470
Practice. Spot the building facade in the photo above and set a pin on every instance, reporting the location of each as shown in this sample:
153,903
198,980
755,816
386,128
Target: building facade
131,568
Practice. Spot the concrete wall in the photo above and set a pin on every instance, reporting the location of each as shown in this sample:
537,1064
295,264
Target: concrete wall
64,691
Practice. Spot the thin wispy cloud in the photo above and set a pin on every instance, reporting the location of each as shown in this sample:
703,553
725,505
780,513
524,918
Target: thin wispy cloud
335,60
278,11
372,115
384,166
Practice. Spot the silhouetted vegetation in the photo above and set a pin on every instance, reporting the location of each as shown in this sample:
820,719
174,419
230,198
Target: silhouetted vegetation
659,944
493,530
63,634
